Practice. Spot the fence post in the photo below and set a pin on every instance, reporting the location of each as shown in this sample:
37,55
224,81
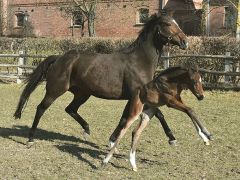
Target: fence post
21,61
227,67
166,60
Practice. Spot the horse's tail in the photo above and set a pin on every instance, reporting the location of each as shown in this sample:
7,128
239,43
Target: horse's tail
37,76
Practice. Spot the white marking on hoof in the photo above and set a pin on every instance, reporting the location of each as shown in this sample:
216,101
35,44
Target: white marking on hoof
207,143
30,144
132,160
106,159
85,136
173,142
134,169
203,136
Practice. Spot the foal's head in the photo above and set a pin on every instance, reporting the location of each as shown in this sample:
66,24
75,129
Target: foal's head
195,83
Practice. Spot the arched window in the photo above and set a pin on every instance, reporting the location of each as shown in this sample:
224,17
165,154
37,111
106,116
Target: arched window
19,19
142,15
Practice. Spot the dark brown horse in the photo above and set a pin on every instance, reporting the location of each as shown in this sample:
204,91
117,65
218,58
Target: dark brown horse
108,76
165,89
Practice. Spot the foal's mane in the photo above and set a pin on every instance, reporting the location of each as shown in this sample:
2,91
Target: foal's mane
176,71
153,20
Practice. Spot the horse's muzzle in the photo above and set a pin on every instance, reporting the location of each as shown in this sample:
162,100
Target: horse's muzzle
184,44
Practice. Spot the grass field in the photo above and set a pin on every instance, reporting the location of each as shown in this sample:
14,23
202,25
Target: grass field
61,153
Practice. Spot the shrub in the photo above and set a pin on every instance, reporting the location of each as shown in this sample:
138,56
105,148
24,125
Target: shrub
197,45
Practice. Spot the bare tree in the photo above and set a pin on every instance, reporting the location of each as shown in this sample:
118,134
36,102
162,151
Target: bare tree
89,10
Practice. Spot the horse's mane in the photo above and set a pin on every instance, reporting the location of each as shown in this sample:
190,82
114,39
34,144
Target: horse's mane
144,32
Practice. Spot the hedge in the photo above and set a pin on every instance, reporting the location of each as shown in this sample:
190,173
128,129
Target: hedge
197,45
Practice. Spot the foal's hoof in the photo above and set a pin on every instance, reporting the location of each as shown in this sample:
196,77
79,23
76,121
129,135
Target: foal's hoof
30,144
210,137
134,169
173,142
207,143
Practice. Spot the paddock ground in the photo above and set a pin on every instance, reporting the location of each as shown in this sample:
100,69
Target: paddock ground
60,151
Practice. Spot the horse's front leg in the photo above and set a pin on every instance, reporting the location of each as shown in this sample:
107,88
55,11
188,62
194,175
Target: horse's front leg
120,126
135,109
174,103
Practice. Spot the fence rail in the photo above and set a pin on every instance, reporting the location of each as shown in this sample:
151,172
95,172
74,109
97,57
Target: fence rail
227,58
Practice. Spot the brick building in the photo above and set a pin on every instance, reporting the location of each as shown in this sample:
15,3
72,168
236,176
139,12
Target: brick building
118,18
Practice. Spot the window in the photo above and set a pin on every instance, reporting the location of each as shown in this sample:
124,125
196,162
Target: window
142,16
20,17
229,17
77,19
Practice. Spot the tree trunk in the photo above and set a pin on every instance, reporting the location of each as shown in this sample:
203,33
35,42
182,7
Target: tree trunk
91,24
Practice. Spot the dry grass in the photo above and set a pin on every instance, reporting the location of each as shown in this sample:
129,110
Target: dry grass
61,152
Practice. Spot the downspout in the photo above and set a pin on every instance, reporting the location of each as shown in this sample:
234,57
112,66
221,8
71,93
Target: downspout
238,22
208,18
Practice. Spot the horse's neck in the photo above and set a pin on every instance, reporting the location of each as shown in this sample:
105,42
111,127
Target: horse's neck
149,51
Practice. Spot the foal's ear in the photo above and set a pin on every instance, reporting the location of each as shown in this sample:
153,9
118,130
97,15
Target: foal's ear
193,68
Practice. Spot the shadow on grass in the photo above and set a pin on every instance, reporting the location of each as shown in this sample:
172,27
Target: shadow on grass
41,134
81,152
74,149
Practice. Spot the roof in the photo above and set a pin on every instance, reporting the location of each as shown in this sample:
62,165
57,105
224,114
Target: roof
183,4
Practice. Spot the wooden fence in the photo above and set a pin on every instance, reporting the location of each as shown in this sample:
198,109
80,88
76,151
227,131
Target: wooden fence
227,73
21,66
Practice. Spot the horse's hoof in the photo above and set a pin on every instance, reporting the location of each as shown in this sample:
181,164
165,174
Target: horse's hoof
173,142
207,143
30,144
87,130
134,169
85,136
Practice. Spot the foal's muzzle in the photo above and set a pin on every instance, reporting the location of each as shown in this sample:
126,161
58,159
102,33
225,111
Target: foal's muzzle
200,97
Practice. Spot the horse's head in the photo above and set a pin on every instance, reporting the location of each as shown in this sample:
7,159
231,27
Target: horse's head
195,83
168,31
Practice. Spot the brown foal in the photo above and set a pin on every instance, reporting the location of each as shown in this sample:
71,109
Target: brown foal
165,89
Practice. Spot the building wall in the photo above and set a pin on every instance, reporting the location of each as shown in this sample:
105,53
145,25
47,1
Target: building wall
3,16
113,19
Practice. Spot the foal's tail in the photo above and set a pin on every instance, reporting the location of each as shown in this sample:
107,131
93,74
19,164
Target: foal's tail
37,76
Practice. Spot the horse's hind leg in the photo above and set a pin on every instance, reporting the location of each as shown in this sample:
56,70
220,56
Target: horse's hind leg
72,109
41,108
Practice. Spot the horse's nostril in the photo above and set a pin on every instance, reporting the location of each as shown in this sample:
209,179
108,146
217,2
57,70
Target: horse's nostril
184,44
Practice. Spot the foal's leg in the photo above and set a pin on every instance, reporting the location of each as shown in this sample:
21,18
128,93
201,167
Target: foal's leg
72,109
134,110
197,123
135,137
180,106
